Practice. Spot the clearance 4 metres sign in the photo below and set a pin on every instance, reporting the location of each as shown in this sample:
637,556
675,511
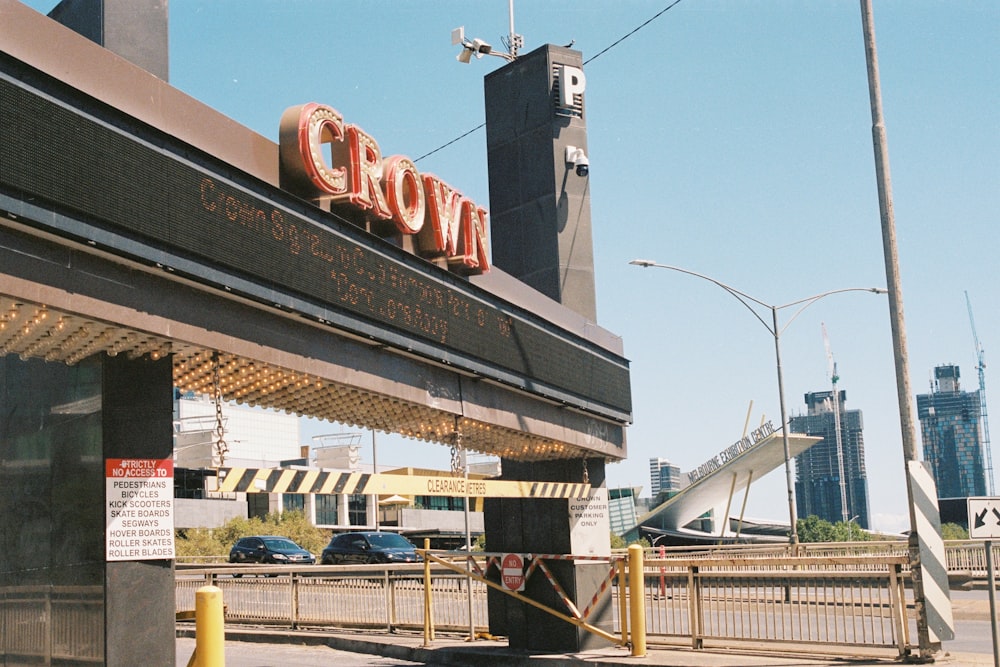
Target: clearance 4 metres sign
139,504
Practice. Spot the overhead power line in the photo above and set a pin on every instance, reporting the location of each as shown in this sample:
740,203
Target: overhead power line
589,60
458,138
640,27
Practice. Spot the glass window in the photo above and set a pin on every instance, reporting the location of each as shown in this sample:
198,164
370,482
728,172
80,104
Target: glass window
326,511
389,541
281,544
293,502
357,510
440,503
189,483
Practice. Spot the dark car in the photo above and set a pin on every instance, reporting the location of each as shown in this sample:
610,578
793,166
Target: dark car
269,549
369,547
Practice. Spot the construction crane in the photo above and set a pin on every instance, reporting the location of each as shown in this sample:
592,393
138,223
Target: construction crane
981,368
832,368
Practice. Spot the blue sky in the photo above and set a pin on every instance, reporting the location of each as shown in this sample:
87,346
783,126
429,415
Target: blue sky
728,137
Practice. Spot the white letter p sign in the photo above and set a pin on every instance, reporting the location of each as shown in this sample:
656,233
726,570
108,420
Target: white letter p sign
571,82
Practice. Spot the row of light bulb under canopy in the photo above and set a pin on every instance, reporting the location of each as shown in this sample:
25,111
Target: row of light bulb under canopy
35,331
254,383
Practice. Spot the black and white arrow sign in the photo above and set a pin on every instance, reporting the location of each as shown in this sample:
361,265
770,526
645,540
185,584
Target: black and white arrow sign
984,518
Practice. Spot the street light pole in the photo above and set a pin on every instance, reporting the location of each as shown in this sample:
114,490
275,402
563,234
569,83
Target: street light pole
793,535
850,527
775,330
375,472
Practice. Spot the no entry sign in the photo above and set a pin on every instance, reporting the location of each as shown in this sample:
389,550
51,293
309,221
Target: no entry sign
512,572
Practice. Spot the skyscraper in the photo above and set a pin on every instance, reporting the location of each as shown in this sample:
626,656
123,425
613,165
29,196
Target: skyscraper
950,431
622,510
826,478
663,476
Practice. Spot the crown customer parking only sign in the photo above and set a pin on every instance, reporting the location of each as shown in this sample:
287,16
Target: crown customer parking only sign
139,500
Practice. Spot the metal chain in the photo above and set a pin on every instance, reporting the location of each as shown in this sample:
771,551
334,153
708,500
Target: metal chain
586,473
221,448
456,453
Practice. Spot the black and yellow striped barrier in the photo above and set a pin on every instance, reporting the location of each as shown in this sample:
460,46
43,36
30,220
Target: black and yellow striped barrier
331,482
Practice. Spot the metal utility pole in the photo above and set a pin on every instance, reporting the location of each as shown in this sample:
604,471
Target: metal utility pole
928,648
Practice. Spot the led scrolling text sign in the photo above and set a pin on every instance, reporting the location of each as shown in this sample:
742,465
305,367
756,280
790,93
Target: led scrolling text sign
380,289
442,220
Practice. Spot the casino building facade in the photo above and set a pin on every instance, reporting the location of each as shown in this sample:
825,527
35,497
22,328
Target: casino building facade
148,244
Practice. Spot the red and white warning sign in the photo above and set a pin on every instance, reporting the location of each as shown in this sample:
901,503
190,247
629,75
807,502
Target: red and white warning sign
139,500
512,572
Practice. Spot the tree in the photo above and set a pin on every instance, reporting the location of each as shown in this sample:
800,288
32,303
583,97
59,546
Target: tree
953,531
196,542
619,542
848,531
815,529
218,541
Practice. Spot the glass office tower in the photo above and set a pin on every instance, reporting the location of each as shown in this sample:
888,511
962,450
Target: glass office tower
819,487
663,476
952,437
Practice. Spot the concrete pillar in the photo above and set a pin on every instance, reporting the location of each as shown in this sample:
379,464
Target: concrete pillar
343,517
137,422
60,424
540,203
541,234
51,510
136,30
525,525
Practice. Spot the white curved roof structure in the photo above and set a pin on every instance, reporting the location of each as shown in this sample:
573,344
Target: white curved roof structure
718,485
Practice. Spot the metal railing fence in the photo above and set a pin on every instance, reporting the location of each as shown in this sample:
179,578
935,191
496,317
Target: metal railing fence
815,601
389,597
52,624
969,557
962,557
858,602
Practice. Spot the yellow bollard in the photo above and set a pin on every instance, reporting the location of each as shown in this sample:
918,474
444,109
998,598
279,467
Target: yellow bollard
637,600
209,628
623,599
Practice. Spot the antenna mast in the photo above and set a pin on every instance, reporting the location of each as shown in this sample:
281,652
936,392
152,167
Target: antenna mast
832,368
981,367
514,40
479,48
